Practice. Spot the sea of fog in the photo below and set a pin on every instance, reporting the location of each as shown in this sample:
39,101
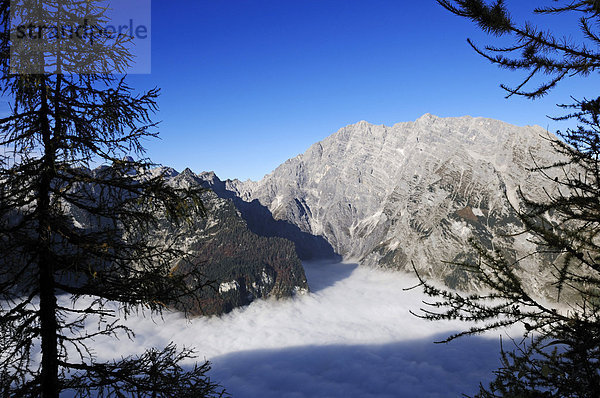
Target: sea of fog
352,336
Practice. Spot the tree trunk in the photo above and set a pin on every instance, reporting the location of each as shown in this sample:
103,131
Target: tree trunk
48,328
48,305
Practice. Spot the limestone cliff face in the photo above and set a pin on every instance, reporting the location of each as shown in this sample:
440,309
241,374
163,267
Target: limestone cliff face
411,193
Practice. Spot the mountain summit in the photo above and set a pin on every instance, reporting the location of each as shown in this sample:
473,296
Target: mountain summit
408,194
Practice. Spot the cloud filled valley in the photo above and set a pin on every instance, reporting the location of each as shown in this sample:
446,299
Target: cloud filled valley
352,336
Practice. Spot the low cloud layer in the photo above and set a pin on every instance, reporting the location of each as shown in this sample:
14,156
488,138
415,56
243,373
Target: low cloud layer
351,337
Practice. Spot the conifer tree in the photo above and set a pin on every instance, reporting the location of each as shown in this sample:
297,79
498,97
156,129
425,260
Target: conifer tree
75,238
559,355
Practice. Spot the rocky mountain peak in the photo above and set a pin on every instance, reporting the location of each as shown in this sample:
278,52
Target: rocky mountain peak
410,193
210,177
188,172
427,118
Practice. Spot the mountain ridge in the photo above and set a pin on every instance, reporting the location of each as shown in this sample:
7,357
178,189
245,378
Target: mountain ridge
409,193
426,116
236,265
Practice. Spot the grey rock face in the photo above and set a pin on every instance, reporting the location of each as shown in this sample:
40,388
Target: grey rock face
240,265
260,220
411,193
243,265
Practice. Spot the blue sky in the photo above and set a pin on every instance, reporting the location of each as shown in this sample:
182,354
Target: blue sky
247,84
